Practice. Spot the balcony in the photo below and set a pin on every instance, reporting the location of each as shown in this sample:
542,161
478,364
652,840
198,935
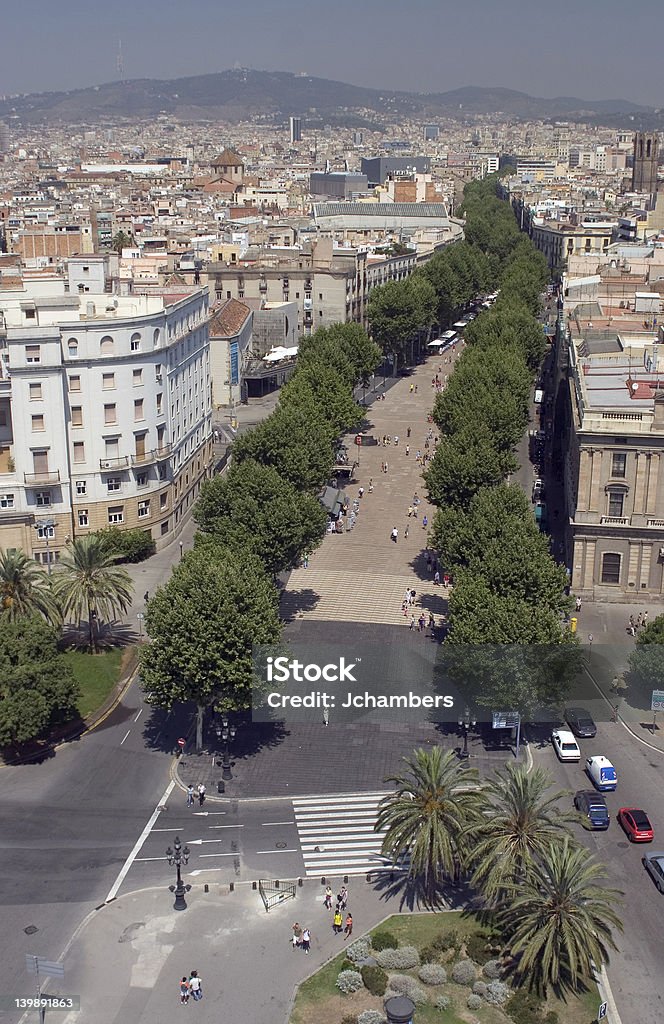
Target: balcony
42,478
154,455
614,520
122,462
657,524
163,452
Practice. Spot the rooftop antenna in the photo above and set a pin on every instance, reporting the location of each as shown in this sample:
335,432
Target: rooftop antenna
119,62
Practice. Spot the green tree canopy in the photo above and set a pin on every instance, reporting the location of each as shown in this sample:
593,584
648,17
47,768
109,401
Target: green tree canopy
251,507
89,586
203,625
37,688
345,348
398,310
25,589
318,385
464,463
646,661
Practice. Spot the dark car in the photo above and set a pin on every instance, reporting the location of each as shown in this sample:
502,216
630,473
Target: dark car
593,807
636,824
580,722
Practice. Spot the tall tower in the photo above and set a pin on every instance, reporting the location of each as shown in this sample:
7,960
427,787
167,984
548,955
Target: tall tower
119,62
644,174
295,129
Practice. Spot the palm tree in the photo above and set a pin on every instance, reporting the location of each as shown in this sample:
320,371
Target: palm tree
427,813
516,825
88,584
560,919
25,589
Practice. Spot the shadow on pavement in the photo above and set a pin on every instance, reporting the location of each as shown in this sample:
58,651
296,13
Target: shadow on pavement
108,635
391,885
294,602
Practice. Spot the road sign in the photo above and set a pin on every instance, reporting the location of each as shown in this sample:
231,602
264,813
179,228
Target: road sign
603,1007
358,440
506,719
182,743
38,965
657,700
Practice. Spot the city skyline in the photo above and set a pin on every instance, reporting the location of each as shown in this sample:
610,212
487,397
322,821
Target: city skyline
569,56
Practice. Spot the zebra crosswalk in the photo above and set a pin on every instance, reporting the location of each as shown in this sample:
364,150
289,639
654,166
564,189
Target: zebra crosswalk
337,834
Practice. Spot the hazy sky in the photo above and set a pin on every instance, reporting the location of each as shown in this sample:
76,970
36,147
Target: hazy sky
594,49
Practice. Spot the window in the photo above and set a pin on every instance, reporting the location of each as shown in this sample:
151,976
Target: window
137,378
6,501
43,499
610,568
106,345
618,464
72,348
155,337
30,314
75,383
44,557
616,502
141,479
112,448
45,531
35,392
79,451
163,501
108,381
138,409
162,472
83,517
164,528
76,416
110,414
157,372
144,509
160,404
38,422
116,514
81,487
113,483
135,343
33,354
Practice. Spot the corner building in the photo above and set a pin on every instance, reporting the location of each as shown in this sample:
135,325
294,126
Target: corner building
105,415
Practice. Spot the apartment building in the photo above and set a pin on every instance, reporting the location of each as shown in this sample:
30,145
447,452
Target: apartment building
613,463
105,414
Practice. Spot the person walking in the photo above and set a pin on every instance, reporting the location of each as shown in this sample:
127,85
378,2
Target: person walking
405,533
370,485
395,534
201,795
360,493
577,604
382,467
408,432
644,621
297,934
407,449
425,521
411,388
396,440
348,930
436,578
406,596
385,468
326,717
411,627
343,897
337,921
421,622
184,991
195,986
190,795
328,898
306,940
410,511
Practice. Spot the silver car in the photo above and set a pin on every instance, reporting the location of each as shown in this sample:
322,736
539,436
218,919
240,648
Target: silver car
654,865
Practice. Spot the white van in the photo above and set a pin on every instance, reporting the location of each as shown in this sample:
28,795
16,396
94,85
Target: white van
601,773
539,396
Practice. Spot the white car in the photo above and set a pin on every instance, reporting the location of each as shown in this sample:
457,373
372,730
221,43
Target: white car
565,745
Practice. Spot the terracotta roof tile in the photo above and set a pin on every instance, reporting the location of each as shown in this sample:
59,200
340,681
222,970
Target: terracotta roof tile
228,319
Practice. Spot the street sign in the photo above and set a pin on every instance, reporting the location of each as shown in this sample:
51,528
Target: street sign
182,743
358,440
38,965
657,700
603,1007
506,719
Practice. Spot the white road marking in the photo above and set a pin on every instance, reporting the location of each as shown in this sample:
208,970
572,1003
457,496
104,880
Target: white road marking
144,860
138,715
204,814
125,736
276,851
220,855
113,891
264,823
199,842
211,827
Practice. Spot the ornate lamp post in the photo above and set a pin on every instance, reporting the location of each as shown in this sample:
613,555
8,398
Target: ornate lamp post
226,734
178,855
466,722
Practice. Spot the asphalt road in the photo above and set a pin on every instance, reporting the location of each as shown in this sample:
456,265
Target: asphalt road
68,824
635,972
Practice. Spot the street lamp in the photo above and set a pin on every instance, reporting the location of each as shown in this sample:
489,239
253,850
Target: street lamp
226,734
140,618
46,525
179,855
466,722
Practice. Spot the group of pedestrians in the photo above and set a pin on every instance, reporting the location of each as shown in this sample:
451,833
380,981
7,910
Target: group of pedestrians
191,986
301,937
338,925
637,623
191,795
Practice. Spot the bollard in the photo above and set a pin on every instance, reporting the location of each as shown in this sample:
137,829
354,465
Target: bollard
300,883
232,887
221,787
206,888
254,886
276,883
345,879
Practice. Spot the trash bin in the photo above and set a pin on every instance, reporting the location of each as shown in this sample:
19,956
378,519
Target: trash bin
221,787
573,622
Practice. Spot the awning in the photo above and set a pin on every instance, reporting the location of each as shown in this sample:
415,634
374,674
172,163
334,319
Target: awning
333,500
280,353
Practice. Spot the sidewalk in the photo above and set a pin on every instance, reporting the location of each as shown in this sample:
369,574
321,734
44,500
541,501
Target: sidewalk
127,958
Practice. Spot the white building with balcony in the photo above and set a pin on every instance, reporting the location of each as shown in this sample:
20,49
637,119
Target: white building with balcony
105,414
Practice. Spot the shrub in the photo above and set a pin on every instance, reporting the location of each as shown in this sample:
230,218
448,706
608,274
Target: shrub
347,965
443,1003
524,1007
464,973
429,954
404,985
349,981
384,940
358,951
492,969
374,978
480,988
432,974
126,545
349,1018
398,959
478,948
497,993
371,1017
473,1002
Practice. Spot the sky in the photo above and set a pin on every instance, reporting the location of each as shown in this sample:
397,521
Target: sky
592,49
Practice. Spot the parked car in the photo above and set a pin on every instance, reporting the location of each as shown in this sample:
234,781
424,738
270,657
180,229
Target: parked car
581,722
601,772
540,514
636,824
565,745
593,807
538,490
654,865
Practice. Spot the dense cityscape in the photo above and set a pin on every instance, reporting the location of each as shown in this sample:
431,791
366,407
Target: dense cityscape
331,554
